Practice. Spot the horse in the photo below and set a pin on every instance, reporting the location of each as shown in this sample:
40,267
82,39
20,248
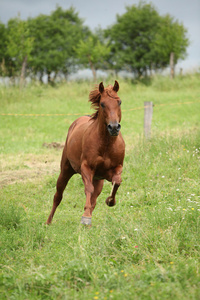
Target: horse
95,149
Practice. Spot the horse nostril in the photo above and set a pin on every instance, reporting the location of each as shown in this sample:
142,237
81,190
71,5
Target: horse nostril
114,127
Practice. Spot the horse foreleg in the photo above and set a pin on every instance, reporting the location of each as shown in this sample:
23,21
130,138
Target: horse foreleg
65,175
87,176
98,185
116,181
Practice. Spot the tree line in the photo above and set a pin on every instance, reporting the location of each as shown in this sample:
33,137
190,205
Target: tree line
140,41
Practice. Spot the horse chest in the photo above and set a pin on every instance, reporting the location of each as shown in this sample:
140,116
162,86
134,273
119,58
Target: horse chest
104,168
103,163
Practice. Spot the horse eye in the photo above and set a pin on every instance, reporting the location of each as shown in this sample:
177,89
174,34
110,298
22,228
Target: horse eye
102,105
119,102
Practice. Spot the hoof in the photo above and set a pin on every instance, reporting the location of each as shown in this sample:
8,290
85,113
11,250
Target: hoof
110,201
86,221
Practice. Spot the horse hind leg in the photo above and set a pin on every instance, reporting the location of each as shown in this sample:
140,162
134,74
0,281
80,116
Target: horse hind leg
66,173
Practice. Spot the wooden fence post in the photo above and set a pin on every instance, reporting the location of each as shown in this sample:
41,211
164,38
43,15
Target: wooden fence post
171,62
148,112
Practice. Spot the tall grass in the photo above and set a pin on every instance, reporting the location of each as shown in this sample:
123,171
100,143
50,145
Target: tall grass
147,246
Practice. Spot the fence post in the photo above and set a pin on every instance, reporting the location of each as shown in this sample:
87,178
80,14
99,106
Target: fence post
171,62
148,112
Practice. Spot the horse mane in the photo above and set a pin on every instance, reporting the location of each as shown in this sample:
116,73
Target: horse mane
95,97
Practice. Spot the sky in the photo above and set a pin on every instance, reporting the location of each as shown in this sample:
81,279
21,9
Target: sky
103,13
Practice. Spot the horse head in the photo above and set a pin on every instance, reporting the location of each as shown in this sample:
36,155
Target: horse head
110,107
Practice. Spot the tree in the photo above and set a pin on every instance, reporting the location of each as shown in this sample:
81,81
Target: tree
3,56
131,38
171,38
93,52
138,39
19,45
55,37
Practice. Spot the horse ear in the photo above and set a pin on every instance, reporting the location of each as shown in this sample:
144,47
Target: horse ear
116,86
101,87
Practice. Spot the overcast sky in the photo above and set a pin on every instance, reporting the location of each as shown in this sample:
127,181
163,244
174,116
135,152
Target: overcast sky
103,13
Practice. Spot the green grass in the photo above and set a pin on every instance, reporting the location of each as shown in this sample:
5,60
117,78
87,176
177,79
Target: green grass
147,246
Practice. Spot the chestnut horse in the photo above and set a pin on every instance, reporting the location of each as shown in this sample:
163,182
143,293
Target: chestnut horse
95,149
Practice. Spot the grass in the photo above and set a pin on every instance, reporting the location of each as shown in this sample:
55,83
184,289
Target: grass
147,246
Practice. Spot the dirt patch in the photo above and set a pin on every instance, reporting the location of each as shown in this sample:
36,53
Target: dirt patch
54,145
28,167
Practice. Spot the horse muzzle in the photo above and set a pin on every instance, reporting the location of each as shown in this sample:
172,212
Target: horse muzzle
114,128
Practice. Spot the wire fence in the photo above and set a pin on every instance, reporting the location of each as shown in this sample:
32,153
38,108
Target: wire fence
80,114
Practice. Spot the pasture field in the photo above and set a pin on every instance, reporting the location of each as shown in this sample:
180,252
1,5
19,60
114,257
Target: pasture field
148,245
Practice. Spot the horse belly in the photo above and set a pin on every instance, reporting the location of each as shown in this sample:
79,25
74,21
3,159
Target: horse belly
76,167
74,153
74,143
